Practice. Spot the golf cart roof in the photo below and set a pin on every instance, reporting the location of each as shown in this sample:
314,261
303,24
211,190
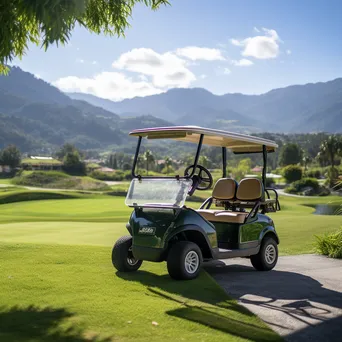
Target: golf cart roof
238,143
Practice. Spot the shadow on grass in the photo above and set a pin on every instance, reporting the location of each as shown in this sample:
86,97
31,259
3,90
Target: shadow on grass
41,324
215,310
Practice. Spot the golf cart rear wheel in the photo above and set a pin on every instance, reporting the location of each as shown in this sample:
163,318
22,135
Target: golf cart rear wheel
184,260
122,256
267,257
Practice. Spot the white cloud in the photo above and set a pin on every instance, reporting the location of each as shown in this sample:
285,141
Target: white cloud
203,76
226,71
37,76
167,70
236,42
94,62
78,60
256,29
195,53
111,85
242,62
262,46
288,52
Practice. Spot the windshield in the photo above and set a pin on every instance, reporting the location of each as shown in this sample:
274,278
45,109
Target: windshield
158,192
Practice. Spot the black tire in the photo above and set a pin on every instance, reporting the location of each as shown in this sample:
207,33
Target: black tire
267,257
122,256
176,260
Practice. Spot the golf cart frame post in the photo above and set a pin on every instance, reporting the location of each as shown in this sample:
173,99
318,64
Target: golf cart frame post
198,152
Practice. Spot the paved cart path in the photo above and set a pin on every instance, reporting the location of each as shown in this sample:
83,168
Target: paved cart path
301,298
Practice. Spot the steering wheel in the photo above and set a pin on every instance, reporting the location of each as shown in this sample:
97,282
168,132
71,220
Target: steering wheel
202,178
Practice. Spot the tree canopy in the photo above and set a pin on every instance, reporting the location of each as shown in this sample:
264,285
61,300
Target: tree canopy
290,154
52,21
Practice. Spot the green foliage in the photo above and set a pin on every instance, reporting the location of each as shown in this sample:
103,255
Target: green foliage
10,156
73,165
330,244
243,168
52,21
292,173
149,159
308,187
332,176
116,176
330,148
313,173
290,154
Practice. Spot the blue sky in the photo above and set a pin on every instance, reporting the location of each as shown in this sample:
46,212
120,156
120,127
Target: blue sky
225,46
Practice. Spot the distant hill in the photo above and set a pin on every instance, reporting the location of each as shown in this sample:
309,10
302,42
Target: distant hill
35,115
299,108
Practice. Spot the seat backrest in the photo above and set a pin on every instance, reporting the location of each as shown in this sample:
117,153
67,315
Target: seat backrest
250,189
224,189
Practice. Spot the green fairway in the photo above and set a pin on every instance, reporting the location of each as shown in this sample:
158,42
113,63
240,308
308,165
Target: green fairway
58,284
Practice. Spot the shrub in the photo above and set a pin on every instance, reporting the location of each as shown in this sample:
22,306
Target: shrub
292,173
330,244
308,187
314,174
116,176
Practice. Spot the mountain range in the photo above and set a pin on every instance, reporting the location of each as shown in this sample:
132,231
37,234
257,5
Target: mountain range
294,109
37,116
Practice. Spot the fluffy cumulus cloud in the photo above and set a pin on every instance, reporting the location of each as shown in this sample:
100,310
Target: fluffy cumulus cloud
242,62
196,53
110,85
166,70
264,46
142,72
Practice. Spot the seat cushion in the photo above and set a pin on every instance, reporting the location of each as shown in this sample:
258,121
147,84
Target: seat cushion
223,216
224,189
249,189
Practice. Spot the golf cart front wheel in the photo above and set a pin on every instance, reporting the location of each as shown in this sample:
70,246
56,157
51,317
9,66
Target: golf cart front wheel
122,257
267,257
184,260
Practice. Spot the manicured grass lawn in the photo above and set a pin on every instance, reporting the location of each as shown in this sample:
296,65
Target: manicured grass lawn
58,284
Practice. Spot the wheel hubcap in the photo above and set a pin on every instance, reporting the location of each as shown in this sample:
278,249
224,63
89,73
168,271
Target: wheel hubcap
130,258
191,262
270,254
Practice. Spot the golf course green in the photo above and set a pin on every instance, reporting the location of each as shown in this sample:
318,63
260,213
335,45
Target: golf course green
58,284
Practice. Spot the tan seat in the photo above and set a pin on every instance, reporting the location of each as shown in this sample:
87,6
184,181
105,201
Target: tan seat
224,190
249,190
223,216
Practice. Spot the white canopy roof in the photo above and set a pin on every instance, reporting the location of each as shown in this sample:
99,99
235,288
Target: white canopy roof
238,143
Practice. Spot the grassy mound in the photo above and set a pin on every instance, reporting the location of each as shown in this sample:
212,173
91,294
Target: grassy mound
23,196
58,180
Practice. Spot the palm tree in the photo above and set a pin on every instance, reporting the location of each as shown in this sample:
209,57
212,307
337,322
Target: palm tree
331,147
306,160
149,158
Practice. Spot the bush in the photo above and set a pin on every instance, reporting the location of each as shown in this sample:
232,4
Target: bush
116,176
330,244
292,173
307,187
314,174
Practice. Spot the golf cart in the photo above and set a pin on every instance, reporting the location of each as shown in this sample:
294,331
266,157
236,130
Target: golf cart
162,228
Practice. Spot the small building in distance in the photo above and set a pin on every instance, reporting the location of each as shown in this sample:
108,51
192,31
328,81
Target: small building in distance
41,163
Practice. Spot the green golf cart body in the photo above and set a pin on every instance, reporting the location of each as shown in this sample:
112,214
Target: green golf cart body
163,228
